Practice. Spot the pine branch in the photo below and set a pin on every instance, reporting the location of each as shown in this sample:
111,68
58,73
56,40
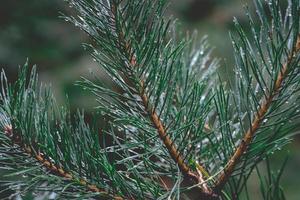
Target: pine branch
157,145
158,124
51,167
258,119
69,152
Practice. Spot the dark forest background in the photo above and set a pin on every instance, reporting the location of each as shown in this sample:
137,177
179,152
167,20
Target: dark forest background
33,29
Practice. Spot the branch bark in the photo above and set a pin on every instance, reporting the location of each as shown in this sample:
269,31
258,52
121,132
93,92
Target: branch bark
50,166
259,117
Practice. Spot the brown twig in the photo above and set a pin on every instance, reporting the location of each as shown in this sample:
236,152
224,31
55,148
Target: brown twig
188,173
259,117
184,168
50,166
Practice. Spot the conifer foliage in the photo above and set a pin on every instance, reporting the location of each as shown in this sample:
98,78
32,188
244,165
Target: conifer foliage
175,130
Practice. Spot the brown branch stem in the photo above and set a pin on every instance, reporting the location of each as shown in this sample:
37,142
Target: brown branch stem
51,167
167,141
192,177
256,123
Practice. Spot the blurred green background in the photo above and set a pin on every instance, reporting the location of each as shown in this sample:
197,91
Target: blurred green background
33,29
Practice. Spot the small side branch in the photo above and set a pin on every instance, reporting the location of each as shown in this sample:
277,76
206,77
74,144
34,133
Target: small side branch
256,123
51,167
